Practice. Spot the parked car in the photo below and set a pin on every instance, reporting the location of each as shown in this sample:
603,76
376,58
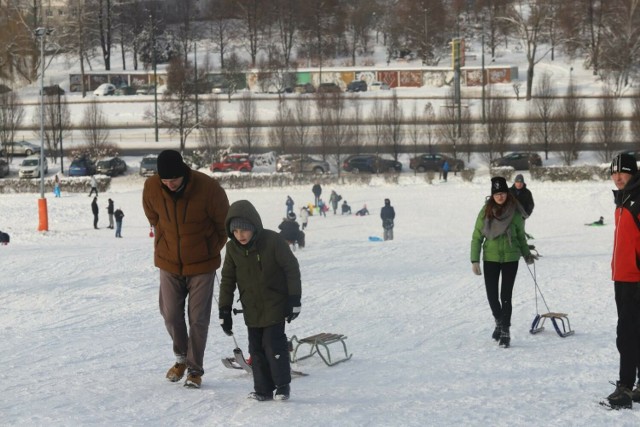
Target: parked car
233,162
111,166
357,86
220,89
82,166
4,168
518,160
146,90
378,86
370,163
125,90
434,162
53,90
304,88
105,89
149,165
19,148
30,167
283,161
328,88
304,164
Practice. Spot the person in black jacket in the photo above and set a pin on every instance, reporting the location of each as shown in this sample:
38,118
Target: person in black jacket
317,192
94,209
387,214
290,230
522,194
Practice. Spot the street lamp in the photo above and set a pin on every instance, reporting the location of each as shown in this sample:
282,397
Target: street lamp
43,218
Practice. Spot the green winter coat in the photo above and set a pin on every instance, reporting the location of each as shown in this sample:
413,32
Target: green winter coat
499,249
265,271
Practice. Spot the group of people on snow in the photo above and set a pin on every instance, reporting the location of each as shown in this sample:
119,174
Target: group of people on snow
112,213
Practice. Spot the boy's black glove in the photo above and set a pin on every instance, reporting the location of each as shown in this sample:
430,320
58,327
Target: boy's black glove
225,320
293,309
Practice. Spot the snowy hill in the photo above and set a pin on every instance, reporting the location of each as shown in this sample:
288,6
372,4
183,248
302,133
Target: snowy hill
84,343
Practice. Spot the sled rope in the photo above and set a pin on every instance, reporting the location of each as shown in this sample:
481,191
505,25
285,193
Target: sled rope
536,288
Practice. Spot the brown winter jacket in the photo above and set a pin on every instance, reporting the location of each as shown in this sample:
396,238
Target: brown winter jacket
189,225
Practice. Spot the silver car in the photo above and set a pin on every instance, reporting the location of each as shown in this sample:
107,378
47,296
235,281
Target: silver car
30,167
306,164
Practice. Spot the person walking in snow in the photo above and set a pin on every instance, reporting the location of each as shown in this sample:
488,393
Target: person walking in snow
119,215
289,204
110,213
499,234
522,194
94,209
626,278
187,209
94,186
334,199
304,217
56,186
317,191
260,263
445,170
388,215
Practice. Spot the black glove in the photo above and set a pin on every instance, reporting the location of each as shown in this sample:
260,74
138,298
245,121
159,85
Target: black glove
225,320
293,309
530,259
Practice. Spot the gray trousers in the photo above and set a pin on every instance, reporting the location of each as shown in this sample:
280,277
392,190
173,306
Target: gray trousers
174,291
388,233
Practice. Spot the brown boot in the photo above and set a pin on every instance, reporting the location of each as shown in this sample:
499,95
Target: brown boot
176,372
193,381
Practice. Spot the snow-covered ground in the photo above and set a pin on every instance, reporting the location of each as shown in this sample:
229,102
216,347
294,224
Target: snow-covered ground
83,342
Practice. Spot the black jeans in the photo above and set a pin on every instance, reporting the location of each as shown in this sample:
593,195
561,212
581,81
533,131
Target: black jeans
269,351
499,297
628,330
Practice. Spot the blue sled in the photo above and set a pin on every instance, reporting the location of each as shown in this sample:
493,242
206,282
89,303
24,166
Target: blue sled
375,239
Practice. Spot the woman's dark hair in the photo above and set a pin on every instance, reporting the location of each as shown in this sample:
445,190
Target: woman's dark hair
492,209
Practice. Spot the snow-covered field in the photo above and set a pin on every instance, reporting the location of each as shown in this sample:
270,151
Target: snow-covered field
83,342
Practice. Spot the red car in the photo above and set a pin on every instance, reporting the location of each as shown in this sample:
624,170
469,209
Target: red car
233,162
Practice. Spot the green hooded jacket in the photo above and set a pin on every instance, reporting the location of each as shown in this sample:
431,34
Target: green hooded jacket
265,271
501,249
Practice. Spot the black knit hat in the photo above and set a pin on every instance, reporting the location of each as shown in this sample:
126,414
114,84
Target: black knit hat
498,185
171,165
624,163
239,223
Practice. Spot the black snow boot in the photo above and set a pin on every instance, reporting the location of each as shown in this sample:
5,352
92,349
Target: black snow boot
496,331
621,397
505,339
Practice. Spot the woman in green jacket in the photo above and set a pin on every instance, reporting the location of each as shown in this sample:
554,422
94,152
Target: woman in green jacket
499,233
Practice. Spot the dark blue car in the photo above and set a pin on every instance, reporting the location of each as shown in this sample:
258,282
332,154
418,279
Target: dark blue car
82,167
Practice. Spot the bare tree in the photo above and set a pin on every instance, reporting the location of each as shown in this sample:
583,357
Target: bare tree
544,108
286,16
393,132
76,36
211,136
301,128
11,117
499,130
247,133
530,20
19,51
178,112
104,13
570,126
377,117
57,123
355,137
360,14
280,131
95,129
222,27
337,131
609,131
634,125
447,128
414,130
253,13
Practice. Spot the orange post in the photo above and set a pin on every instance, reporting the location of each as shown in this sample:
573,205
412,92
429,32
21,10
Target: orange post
43,216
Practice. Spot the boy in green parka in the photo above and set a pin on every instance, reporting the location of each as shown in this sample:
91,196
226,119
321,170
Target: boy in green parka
499,233
261,265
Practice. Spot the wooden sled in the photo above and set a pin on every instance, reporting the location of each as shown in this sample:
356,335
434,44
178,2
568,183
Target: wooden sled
560,323
318,341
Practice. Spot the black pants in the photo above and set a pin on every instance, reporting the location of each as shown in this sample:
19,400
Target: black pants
500,296
628,330
269,351
95,220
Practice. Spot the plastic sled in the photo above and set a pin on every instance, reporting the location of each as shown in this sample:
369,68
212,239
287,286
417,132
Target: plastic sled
375,239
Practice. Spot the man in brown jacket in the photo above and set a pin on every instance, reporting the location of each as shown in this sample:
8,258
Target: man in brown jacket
188,210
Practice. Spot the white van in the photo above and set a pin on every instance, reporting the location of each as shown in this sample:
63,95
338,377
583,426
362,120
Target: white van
30,167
